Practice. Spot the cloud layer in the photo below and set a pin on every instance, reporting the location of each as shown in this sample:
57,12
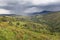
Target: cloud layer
3,11
24,7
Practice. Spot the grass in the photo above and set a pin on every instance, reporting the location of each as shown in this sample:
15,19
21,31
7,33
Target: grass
12,29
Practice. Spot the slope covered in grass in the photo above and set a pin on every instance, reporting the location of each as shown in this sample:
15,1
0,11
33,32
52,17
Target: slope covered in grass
38,27
50,19
19,30
53,20
20,33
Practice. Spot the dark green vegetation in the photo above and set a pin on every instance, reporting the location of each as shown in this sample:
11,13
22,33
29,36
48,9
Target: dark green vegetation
38,27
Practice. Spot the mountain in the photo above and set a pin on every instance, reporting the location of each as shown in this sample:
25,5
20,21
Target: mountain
43,12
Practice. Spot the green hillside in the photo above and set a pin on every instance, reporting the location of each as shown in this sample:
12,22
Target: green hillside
50,19
38,27
53,20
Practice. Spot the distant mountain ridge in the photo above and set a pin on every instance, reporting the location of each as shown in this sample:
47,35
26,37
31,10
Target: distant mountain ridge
7,14
43,12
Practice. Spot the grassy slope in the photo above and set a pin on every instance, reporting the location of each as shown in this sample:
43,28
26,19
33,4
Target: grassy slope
53,20
12,28
19,33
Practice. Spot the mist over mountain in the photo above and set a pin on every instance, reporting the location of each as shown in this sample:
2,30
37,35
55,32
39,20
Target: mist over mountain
40,13
29,14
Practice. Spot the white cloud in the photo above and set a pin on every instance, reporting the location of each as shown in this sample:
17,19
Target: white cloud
32,10
3,11
3,3
40,2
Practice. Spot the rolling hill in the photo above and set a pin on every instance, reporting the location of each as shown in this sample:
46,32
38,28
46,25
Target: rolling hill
52,19
36,27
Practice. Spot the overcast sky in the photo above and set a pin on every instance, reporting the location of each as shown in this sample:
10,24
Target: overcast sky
24,7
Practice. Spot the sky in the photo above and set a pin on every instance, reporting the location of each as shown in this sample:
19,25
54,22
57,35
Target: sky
24,7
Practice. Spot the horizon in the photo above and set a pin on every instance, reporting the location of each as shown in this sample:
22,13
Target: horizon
24,7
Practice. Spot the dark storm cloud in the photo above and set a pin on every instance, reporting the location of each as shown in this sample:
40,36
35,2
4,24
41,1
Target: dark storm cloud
24,7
